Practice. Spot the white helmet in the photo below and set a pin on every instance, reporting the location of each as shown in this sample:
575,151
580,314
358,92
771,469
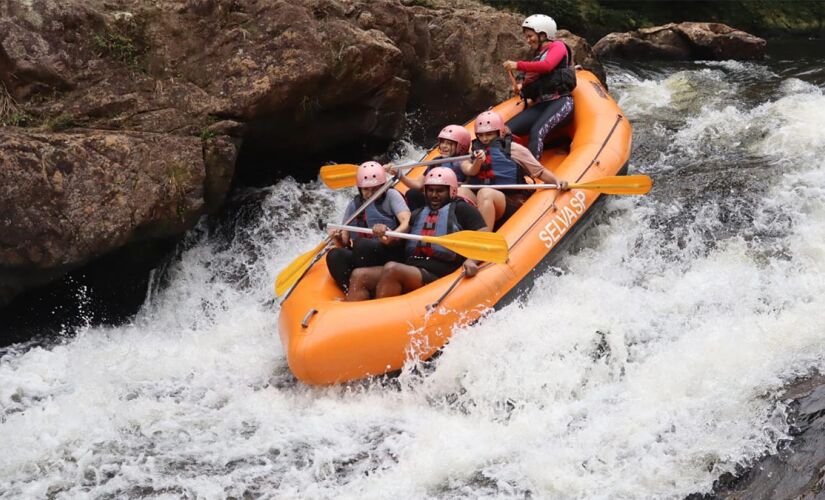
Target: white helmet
541,24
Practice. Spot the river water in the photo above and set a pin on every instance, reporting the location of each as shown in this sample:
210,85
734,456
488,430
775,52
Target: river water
647,363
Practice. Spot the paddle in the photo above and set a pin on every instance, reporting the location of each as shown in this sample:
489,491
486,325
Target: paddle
478,245
343,175
293,273
619,184
516,90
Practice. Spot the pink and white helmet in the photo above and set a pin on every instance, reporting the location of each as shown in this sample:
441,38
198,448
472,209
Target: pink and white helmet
442,176
458,134
370,174
489,121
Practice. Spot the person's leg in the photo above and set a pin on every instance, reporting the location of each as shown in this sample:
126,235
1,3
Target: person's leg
511,205
468,194
397,278
523,122
491,204
340,265
363,282
553,115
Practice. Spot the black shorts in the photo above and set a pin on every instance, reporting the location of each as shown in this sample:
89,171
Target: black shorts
512,204
432,269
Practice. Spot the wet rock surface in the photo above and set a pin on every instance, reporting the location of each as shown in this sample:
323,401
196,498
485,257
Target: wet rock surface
683,41
798,469
69,197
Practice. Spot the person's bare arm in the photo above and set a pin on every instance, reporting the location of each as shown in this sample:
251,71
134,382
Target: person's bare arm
528,162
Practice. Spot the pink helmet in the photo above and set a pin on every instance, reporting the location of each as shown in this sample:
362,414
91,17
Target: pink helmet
458,134
370,174
442,176
489,121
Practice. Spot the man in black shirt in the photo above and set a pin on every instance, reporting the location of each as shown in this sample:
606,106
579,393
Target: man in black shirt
425,262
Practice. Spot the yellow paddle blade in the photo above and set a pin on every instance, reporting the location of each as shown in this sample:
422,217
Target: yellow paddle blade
295,270
478,245
620,184
339,176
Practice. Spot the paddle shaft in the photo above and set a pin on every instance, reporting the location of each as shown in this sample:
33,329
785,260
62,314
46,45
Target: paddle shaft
366,230
516,90
319,249
371,199
620,184
510,186
345,175
438,161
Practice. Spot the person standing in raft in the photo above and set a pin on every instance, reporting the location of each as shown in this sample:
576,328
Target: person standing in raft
499,160
548,81
453,140
388,213
445,213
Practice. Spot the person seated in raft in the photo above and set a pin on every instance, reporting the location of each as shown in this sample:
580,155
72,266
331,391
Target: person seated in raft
388,212
453,140
547,82
445,213
499,160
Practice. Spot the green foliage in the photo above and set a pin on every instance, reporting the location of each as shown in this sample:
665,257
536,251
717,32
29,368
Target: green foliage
595,18
16,119
11,115
207,134
60,122
121,46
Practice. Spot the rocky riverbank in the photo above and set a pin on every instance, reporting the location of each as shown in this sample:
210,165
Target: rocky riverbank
595,19
123,121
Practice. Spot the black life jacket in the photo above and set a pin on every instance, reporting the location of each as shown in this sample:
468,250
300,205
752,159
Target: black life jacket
559,82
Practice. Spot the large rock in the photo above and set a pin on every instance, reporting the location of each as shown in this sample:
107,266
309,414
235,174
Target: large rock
284,79
307,75
797,469
682,41
69,197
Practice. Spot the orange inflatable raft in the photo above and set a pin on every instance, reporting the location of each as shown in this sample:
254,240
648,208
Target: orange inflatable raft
328,341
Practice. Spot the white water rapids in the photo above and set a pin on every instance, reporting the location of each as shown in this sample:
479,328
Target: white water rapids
649,362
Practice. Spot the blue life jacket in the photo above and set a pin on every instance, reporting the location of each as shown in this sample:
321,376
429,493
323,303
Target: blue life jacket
379,212
455,166
427,222
498,167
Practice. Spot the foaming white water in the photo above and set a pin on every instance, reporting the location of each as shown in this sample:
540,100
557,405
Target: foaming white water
680,91
176,401
629,378
788,128
643,366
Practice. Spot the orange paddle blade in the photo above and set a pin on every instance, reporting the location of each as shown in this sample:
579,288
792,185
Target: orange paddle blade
619,184
291,273
478,245
339,176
